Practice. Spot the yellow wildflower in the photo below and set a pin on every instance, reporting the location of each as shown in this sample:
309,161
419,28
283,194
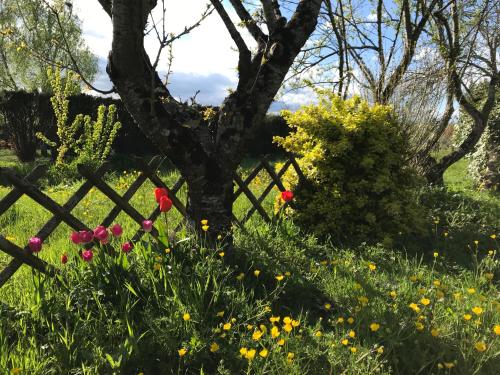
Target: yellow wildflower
287,273
414,307
280,277
287,320
250,354
496,329
15,371
425,301
214,347
275,332
226,327
393,293
374,327
419,326
295,323
352,334
413,278
288,328
380,350
243,351
281,342
186,317
436,283
471,290
434,332
488,276
204,222
480,346
221,254
318,334
257,335
493,236
436,254
345,342
449,365
249,327
477,310
263,328
256,273
328,306
350,320
340,320
263,353
274,319
240,277
182,352
290,356
467,316
220,314
372,267
353,349
205,228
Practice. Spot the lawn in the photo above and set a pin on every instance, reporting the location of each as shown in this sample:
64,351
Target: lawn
291,304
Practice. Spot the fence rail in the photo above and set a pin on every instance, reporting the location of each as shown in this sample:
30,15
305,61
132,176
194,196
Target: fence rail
148,171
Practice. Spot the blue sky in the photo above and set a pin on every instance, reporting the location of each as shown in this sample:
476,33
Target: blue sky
204,60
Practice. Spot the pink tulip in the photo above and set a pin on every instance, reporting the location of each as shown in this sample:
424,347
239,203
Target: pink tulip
101,233
64,259
127,247
75,238
147,225
87,255
86,236
116,230
35,244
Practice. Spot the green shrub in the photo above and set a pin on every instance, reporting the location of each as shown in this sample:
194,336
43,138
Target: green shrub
357,186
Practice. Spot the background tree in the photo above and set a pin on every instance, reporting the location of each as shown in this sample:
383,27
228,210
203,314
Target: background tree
206,148
33,38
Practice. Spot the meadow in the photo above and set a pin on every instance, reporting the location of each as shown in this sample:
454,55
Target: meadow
289,304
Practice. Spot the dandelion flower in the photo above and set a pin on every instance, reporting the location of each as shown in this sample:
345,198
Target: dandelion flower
182,352
226,327
350,320
214,347
467,316
186,317
414,307
318,334
374,327
340,320
372,267
480,346
287,320
353,349
345,342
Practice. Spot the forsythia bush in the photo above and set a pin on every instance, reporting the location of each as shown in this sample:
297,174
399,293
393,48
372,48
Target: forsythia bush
357,185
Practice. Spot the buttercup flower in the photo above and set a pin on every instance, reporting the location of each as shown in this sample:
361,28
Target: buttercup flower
480,346
35,244
182,352
374,327
263,353
257,335
496,329
467,316
250,354
275,332
425,301
477,310
186,317
226,327
280,277
256,273
204,222
214,347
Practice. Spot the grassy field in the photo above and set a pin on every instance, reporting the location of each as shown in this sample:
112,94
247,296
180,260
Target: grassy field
291,305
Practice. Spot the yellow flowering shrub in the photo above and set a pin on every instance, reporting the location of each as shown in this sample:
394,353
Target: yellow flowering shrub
357,184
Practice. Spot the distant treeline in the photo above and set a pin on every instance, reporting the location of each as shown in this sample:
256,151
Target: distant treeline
23,114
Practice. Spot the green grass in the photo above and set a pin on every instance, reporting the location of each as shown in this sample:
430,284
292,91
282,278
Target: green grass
125,314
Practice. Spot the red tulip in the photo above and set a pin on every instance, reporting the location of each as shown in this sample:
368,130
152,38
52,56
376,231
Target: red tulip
64,259
287,195
160,192
87,255
165,204
147,226
75,238
35,244
101,233
86,236
127,247
116,230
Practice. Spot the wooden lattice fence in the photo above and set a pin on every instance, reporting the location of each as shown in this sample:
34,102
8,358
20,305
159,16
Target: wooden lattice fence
148,171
